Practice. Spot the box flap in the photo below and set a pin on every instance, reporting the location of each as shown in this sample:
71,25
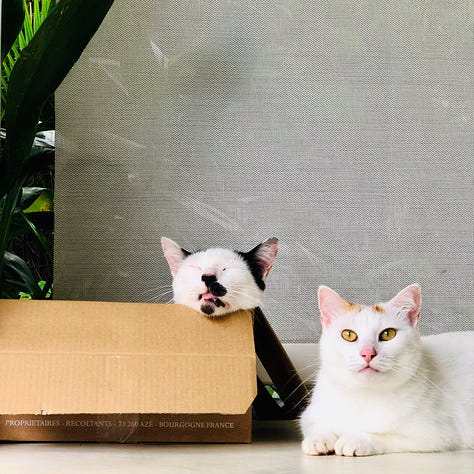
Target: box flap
95,357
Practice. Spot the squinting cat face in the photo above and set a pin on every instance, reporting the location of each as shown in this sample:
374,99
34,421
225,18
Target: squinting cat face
377,344
218,281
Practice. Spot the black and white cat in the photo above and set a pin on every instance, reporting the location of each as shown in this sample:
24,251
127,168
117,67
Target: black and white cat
218,281
382,388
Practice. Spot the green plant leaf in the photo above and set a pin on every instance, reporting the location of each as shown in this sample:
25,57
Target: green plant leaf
43,203
24,296
43,285
45,288
34,200
38,233
19,227
39,10
9,208
13,15
29,195
39,70
17,275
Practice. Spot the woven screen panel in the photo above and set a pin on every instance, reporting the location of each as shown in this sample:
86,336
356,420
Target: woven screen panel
344,128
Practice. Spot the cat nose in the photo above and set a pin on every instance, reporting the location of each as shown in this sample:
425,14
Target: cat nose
208,279
368,353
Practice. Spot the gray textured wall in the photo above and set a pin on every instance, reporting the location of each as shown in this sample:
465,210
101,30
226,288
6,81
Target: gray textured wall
345,128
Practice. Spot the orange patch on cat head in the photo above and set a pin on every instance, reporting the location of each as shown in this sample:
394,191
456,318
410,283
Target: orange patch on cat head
353,307
378,309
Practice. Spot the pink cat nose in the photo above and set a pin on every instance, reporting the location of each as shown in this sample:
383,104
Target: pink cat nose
368,353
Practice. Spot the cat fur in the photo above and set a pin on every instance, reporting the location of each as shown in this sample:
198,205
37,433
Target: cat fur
408,394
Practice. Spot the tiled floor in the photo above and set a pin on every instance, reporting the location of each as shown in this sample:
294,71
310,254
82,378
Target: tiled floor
276,449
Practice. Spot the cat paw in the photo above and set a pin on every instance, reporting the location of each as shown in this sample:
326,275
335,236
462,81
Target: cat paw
322,443
355,445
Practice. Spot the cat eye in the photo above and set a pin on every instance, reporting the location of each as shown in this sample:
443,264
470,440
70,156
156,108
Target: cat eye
349,335
387,334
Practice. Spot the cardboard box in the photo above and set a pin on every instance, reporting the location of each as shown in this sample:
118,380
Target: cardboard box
124,372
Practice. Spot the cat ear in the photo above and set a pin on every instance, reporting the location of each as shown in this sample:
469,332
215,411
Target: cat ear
264,254
331,305
408,302
174,254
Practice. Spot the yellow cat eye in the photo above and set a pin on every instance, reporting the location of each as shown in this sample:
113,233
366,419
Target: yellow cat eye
349,335
387,334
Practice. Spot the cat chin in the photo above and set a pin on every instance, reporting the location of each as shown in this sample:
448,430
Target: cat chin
369,370
217,308
216,314
380,381
211,310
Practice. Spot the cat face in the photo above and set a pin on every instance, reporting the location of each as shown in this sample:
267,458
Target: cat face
370,344
218,281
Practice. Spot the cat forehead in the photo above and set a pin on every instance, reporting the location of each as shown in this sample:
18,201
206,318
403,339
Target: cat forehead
375,311
215,256
374,316
355,308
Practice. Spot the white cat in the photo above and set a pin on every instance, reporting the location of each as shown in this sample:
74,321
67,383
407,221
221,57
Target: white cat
218,281
382,388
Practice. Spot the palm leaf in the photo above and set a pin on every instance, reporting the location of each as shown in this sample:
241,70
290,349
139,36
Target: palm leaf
13,14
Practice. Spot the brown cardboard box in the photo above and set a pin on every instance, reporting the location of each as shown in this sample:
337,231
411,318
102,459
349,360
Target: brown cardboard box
124,372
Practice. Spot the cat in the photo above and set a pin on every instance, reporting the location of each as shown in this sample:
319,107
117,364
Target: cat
381,388
219,281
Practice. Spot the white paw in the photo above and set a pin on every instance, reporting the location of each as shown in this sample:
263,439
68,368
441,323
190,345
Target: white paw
355,445
321,443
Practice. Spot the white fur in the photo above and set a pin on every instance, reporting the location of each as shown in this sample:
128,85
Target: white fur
230,269
420,400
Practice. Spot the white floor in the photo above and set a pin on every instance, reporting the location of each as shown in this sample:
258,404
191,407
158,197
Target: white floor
275,449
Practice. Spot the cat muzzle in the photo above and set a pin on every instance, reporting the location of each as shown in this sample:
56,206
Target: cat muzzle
213,285
217,289
210,300
210,303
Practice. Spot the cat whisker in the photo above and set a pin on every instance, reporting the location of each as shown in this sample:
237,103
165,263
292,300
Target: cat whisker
301,384
269,299
305,399
235,291
235,294
165,292
156,298
417,374
155,288
314,365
